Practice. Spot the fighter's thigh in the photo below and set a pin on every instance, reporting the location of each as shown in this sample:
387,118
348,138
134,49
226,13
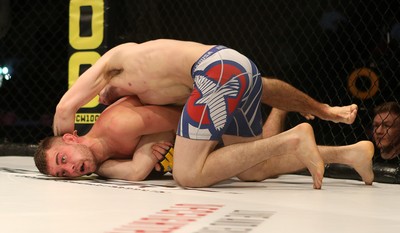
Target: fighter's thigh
232,139
255,173
191,154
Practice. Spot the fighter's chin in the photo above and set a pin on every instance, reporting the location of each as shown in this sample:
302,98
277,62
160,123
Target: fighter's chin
87,168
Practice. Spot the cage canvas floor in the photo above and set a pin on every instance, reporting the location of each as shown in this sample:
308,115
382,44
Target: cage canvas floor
31,202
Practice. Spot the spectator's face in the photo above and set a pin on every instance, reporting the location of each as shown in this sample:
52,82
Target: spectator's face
70,160
386,129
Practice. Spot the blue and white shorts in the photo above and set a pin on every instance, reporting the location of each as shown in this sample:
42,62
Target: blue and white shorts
226,97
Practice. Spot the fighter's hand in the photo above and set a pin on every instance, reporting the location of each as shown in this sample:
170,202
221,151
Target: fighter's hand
164,152
63,123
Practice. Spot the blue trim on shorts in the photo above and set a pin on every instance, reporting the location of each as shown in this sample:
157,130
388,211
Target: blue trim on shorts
206,55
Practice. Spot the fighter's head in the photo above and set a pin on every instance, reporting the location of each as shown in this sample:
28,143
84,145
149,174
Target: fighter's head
64,156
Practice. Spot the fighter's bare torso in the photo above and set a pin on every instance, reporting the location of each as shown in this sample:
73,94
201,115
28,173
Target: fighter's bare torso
122,125
158,72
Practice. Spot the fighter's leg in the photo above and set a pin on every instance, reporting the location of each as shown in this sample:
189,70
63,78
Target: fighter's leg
275,123
226,100
282,95
197,165
357,156
278,165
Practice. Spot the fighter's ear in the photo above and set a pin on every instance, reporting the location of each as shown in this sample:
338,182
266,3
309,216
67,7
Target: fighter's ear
70,138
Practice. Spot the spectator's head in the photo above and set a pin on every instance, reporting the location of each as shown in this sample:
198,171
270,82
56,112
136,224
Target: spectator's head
386,128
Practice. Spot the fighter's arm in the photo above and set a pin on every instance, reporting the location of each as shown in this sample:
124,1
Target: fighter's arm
88,85
142,163
275,94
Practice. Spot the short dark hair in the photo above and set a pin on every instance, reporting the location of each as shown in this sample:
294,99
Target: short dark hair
391,107
40,153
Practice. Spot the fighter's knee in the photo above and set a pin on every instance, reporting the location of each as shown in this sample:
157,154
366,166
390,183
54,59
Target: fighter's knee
304,130
177,179
298,134
305,127
184,179
254,177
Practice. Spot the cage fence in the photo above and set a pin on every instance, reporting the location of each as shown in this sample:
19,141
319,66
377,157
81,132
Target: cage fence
337,51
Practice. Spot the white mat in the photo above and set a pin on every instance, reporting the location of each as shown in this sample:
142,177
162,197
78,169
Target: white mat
31,202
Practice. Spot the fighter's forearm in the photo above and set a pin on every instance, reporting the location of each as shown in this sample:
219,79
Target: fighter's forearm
64,121
275,123
124,170
282,95
87,86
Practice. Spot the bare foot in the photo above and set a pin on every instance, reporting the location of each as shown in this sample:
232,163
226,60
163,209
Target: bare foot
360,158
345,114
309,155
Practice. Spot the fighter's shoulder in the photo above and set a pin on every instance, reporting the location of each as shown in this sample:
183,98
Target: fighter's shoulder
124,46
129,101
124,102
119,50
123,119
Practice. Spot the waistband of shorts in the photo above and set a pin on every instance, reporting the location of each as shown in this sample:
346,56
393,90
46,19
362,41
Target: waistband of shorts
207,54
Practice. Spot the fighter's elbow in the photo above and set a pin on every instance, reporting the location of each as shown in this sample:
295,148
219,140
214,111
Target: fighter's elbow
137,175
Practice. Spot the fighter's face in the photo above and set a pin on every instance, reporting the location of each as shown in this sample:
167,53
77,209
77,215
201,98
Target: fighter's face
70,160
386,129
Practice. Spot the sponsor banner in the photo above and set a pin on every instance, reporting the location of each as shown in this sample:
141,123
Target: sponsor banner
87,42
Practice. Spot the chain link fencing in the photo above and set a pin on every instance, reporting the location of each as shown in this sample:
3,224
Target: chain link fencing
337,51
